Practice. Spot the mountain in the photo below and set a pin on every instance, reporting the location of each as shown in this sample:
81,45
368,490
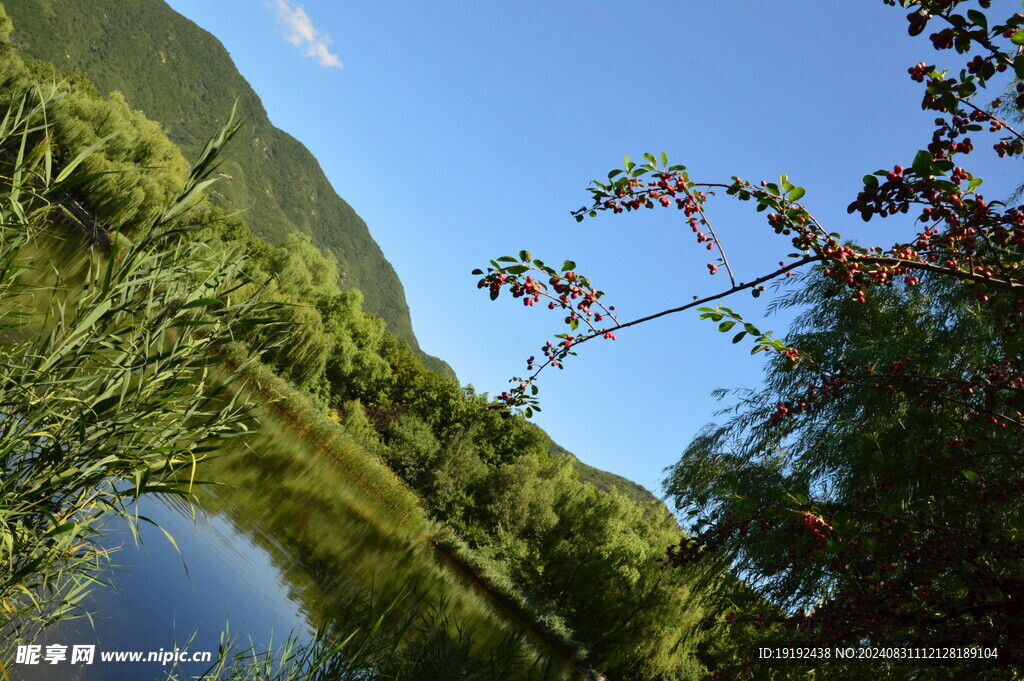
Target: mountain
183,77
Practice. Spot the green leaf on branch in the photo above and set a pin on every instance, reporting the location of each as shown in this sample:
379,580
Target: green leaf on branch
525,256
1018,61
922,163
795,499
974,184
202,302
796,194
971,476
738,337
568,265
1017,39
725,326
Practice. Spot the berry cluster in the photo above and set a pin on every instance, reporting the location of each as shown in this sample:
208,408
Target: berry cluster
647,185
565,290
817,527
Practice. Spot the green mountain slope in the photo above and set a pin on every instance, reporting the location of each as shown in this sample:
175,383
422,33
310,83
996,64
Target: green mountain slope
182,76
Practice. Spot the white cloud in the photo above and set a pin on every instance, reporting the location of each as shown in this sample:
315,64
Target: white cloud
302,33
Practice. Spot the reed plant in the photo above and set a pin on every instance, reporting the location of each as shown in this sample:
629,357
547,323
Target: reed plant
108,381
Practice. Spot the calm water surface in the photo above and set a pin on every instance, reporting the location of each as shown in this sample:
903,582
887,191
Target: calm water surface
283,542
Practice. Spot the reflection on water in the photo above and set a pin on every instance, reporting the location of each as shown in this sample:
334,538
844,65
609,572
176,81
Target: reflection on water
282,541
157,603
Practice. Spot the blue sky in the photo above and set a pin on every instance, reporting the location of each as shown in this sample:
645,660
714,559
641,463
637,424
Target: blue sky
463,131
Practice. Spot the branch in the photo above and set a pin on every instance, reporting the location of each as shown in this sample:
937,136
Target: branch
735,289
1004,284
714,237
696,301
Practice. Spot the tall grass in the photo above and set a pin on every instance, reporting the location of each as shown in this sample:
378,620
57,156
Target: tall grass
107,388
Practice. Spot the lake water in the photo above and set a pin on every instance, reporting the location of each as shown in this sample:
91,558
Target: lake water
285,541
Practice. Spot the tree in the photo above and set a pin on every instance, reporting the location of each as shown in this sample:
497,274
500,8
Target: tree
876,510
6,25
872,491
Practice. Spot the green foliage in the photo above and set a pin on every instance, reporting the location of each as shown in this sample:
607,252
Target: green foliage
138,172
412,450
604,480
358,425
6,25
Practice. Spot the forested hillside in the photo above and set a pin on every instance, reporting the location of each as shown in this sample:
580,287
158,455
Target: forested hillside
181,76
